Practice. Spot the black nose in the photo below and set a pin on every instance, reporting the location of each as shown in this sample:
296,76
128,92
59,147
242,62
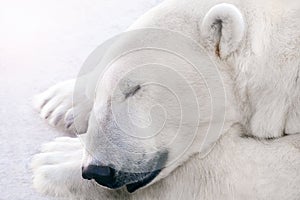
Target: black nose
103,175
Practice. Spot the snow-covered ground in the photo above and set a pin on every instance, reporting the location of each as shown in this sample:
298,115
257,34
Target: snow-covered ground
42,43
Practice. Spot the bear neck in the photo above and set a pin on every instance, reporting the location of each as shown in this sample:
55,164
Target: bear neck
198,178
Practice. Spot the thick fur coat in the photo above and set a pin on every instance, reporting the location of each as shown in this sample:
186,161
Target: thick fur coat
256,45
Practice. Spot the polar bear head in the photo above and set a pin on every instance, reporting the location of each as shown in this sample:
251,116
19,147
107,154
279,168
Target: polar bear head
133,139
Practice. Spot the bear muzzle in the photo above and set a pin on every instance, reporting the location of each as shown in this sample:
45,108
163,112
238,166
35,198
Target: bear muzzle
111,178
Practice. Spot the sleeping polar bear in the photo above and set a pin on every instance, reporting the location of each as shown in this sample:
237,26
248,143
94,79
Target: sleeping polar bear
256,48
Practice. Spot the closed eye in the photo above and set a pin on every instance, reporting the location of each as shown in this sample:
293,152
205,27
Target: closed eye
132,91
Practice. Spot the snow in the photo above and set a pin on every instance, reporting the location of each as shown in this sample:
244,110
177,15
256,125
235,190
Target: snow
42,43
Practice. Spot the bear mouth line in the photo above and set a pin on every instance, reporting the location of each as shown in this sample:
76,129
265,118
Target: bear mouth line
149,177
134,181
132,187
143,180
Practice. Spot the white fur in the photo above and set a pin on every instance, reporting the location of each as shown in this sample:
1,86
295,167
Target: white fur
230,21
57,107
237,168
259,62
265,65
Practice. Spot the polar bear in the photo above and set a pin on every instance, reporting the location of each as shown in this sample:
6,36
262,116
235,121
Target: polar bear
256,48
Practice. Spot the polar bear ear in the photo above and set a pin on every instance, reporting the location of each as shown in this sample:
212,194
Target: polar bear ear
223,29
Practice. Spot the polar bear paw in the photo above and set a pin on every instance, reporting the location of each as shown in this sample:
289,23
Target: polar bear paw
57,107
57,169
